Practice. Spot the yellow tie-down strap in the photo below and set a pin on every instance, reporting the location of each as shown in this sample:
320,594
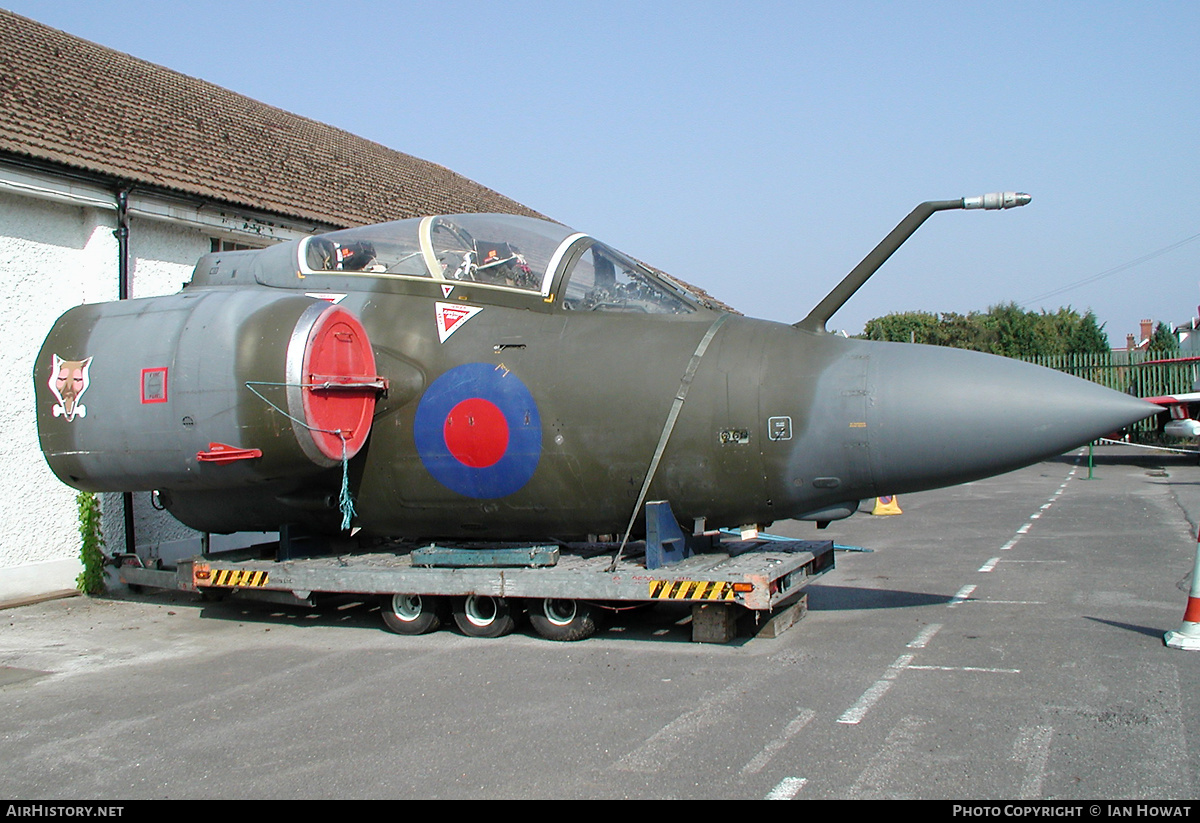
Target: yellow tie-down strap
696,590
235,578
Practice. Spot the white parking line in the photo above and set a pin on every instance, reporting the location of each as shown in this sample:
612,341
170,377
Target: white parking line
787,788
858,711
965,669
922,639
854,715
1035,516
1032,750
879,688
655,754
791,730
961,596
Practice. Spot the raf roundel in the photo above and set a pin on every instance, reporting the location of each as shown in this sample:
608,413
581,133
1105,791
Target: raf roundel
478,432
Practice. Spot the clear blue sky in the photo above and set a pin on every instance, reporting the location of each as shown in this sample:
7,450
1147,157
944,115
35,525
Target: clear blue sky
760,149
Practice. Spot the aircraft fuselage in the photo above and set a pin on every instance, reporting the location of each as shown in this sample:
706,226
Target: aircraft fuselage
548,402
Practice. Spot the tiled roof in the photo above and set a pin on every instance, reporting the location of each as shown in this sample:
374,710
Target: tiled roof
68,101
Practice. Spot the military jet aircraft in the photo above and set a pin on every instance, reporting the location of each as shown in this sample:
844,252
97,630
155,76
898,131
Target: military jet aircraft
1180,409
489,376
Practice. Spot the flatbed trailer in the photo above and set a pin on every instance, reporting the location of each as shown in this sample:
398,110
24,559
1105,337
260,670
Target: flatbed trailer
564,587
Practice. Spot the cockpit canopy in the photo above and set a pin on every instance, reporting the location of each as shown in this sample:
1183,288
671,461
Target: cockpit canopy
499,251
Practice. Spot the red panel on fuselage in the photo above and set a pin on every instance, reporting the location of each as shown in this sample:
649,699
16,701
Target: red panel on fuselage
338,366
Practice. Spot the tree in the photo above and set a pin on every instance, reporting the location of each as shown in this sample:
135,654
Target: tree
1089,337
1006,329
1012,331
1163,341
902,327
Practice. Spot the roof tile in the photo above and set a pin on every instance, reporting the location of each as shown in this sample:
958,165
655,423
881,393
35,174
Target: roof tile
69,101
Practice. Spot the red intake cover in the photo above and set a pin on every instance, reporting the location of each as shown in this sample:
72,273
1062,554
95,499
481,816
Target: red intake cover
340,383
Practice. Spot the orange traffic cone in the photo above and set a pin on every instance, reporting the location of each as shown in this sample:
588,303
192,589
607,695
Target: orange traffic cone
886,505
1187,636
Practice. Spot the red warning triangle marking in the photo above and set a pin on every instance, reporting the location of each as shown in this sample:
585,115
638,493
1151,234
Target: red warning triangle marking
451,317
327,296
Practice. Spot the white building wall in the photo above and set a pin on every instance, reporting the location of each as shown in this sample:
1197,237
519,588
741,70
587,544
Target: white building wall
51,257
57,250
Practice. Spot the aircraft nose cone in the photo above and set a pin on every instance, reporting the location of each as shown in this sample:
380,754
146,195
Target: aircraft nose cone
945,416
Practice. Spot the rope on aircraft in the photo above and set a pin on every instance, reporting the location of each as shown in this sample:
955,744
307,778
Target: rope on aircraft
345,499
1153,448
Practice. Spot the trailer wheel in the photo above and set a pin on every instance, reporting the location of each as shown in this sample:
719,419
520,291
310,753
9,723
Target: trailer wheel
483,616
413,613
556,619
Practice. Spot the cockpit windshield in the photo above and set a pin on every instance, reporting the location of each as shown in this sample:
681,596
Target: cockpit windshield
370,249
500,251
493,249
603,279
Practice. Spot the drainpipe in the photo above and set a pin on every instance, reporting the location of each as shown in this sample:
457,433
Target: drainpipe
122,235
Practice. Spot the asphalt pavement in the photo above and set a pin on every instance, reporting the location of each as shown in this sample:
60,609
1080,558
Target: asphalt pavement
997,640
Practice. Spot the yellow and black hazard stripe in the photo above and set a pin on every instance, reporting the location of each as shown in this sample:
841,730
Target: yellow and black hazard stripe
691,590
238,578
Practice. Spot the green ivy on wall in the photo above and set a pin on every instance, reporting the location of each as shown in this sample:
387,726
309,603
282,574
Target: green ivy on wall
91,547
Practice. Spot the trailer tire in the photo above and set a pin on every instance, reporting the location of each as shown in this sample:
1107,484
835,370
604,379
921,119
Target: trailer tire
566,620
413,613
484,616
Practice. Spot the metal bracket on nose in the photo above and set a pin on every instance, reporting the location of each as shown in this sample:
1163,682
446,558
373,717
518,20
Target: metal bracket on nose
819,316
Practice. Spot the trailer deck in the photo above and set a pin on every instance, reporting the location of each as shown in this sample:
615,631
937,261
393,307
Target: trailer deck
564,587
762,575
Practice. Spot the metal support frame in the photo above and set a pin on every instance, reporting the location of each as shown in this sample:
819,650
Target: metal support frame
666,543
